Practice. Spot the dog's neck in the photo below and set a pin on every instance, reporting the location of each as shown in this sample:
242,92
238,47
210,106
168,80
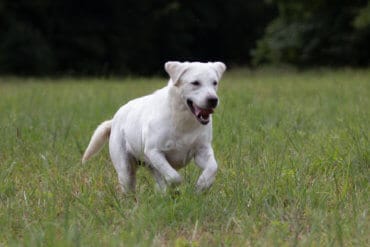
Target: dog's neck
181,117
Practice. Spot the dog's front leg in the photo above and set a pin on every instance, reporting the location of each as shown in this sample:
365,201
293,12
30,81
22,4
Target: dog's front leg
161,185
159,162
204,158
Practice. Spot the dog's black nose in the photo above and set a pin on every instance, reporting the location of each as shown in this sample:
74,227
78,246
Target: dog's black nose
212,102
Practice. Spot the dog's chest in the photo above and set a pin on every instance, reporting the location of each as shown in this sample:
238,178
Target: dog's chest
180,150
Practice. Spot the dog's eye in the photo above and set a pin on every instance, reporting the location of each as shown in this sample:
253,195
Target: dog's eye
215,83
195,83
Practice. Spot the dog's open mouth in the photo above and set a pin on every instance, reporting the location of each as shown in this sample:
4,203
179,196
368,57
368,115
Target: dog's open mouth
201,114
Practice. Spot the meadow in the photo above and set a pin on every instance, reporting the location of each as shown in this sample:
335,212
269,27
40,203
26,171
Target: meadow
293,151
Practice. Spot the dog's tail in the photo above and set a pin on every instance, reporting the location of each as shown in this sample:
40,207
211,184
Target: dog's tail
100,136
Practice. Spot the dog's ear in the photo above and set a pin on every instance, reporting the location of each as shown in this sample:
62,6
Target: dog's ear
220,68
175,70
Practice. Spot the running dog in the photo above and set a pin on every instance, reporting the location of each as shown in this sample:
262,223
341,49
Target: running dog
165,130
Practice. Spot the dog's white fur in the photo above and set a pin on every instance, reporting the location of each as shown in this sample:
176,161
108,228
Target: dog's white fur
162,131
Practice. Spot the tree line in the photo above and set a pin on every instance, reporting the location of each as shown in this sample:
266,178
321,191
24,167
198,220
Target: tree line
56,37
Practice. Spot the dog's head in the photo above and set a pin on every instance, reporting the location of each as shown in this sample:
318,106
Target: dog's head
197,83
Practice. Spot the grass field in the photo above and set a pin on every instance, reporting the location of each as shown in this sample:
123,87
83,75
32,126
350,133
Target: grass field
293,151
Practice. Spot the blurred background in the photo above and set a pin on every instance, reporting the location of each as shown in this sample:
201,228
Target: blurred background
126,37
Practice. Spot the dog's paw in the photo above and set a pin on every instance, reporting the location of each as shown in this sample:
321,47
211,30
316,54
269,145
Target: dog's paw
174,180
203,185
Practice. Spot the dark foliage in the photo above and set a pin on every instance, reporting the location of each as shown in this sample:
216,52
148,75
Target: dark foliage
319,32
127,36
53,37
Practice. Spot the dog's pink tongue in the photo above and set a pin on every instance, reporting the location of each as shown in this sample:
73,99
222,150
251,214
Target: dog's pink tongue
202,112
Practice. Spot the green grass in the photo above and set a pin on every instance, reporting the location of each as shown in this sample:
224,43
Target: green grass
293,151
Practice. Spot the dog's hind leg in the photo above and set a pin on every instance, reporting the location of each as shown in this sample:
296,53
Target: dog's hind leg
123,162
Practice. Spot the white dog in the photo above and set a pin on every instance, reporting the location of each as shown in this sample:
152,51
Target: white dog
166,129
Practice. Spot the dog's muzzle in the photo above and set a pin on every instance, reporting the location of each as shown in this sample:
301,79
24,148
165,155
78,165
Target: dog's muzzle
202,114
